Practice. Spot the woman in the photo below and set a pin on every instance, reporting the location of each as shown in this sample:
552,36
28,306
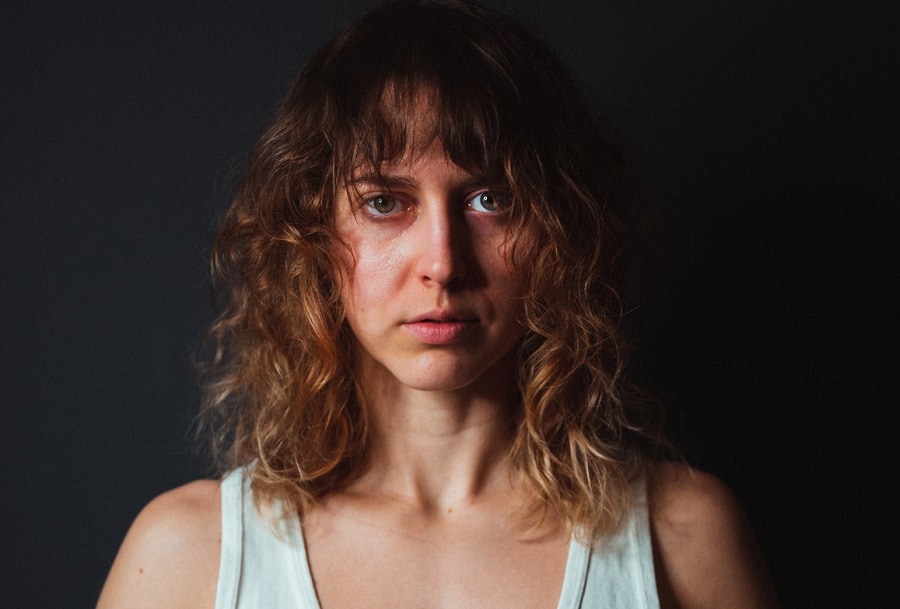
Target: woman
418,394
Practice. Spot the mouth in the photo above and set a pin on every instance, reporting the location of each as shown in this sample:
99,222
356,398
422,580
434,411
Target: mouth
440,327
443,317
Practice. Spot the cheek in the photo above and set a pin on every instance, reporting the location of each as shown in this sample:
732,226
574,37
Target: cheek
372,276
501,269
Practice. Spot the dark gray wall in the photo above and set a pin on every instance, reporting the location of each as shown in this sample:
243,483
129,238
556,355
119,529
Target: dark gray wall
762,131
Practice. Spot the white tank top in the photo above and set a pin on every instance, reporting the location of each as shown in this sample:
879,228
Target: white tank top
265,568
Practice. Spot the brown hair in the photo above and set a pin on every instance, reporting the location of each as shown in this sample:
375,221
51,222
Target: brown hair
281,394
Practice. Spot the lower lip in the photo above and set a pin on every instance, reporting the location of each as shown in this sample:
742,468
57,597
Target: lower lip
438,333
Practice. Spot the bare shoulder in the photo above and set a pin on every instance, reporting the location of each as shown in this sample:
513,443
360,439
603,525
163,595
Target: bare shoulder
170,556
705,552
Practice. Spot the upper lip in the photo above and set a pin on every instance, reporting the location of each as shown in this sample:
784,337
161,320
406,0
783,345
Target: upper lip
443,316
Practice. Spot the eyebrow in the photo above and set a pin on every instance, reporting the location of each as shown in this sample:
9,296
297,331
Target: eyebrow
397,181
388,181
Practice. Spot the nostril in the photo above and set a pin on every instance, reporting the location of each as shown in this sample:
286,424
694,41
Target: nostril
443,269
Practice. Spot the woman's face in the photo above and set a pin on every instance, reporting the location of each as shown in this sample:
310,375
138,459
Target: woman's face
431,294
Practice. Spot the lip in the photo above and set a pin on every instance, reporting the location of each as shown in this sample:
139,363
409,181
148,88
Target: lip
440,327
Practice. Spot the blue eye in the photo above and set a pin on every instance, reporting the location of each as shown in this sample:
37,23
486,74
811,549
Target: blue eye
485,202
383,205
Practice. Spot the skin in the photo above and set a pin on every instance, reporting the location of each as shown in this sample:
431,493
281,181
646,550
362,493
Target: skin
705,557
433,501
170,557
432,299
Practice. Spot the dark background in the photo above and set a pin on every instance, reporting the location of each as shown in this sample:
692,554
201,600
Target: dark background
763,135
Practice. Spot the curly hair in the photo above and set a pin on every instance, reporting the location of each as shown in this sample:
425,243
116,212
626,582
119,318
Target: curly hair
281,393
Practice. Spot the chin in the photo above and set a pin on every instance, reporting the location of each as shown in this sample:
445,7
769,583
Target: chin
431,380
436,374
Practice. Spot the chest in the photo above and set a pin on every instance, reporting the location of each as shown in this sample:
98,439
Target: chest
366,565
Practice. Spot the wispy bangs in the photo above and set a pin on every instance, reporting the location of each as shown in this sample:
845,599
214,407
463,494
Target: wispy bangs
435,76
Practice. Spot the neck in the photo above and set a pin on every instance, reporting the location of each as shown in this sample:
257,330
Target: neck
437,449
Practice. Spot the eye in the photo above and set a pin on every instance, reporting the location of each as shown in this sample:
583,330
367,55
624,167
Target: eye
486,202
383,205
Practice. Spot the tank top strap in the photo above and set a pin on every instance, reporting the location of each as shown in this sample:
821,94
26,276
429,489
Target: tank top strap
263,558
264,563
620,571
231,489
575,576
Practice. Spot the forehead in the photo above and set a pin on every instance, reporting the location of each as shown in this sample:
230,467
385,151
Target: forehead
428,168
405,127
422,150
413,121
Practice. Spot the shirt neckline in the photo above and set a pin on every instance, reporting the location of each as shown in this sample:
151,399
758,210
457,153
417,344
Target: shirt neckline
570,595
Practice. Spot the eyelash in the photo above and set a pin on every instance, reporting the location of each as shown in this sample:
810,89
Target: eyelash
494,198
369,204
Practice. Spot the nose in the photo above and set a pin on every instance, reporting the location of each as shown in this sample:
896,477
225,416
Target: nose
442,250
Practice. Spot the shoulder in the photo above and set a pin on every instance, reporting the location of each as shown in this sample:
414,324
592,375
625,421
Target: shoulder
170,556
705,553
